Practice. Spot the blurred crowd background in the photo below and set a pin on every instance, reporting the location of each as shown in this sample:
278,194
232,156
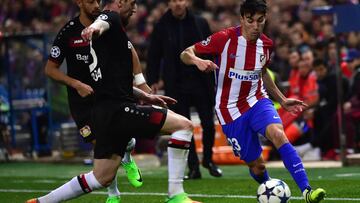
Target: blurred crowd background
304,43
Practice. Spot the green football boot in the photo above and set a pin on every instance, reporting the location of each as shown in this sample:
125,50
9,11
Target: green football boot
133,173
113,199
180,198
314,196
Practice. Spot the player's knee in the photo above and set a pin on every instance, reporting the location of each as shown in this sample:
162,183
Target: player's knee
105,178
185,124
188,125
277,136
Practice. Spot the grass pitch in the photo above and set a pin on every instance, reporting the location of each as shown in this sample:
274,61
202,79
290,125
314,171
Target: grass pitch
22,181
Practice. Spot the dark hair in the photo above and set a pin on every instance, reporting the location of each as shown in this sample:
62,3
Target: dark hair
105,2
319,62
253,6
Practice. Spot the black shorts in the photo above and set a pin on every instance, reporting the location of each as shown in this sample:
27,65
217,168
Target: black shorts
115,124
81,113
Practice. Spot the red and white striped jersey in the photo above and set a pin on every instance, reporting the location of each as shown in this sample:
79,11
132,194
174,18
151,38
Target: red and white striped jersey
238,79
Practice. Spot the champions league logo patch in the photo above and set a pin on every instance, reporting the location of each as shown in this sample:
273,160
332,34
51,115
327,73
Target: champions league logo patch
129,45
85,131
55,51
262,58
206,42
103,17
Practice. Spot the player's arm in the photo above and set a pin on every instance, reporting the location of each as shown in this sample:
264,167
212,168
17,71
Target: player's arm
213,45
159,100
97,28
271,87
289,104
189,57
52,70
139,79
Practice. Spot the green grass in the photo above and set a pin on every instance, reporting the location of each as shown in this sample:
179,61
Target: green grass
22,181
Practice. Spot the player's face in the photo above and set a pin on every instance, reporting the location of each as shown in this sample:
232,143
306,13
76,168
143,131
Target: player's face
178,8
252,25
127,9
304,69
308,58
320,71
294,59
90,8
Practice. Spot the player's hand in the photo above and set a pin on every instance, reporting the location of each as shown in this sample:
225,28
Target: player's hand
89,33
159,100
83,89
206,65
293,106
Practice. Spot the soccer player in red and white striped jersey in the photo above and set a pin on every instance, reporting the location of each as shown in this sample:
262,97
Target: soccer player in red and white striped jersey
242,104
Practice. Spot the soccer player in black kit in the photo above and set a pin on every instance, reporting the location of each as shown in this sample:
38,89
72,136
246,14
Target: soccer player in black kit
70,46
116,118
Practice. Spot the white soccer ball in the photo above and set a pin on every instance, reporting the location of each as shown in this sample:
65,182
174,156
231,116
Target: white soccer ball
273,191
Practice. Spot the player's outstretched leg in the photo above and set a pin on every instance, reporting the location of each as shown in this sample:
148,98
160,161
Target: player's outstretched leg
132,171
77,186
314,196
293,163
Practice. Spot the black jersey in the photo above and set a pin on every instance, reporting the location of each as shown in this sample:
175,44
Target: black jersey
112,69
69,45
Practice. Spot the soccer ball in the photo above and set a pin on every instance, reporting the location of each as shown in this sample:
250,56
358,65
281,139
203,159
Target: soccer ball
273,191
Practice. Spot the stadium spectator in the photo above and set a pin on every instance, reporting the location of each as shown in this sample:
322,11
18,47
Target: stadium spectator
325,111
352,107
294,58
304,87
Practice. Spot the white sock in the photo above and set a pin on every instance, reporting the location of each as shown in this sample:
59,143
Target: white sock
177,161
113,189
70,189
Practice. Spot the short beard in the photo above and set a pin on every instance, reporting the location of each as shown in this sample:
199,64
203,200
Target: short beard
91,16
125,21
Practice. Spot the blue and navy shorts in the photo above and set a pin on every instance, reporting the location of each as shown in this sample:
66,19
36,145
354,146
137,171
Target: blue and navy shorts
243,133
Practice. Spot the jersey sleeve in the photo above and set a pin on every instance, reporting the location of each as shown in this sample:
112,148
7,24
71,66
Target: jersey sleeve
59,48
214,44
110,17
269,47
270,55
